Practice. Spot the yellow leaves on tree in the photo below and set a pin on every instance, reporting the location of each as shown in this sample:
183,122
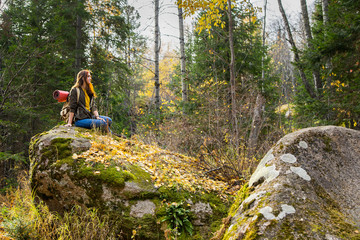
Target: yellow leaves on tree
167,67
212,12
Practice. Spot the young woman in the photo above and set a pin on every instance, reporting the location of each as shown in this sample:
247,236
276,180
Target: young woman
84,112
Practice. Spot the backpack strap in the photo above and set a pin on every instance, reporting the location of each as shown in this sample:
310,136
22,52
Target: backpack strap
78,94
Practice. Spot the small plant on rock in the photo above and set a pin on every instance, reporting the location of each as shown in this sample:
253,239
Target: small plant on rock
178,219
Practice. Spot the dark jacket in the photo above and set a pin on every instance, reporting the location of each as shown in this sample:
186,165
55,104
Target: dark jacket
79,108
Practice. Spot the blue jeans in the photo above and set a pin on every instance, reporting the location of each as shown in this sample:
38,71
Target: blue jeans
95,123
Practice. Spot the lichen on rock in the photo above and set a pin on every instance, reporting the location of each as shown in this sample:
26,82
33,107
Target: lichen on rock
301,173
315,194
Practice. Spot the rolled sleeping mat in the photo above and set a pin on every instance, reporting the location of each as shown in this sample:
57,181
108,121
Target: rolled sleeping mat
60,95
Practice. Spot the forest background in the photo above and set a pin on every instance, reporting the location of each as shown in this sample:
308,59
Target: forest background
226,96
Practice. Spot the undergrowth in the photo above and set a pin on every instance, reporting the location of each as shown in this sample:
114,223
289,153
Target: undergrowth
21,218
222,155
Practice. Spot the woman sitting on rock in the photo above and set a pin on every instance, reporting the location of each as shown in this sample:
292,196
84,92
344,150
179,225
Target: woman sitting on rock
84,112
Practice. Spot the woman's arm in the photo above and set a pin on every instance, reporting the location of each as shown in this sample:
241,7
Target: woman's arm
73,106
71,117
97,116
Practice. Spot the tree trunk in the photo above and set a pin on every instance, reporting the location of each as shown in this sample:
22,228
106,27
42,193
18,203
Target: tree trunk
232,72
182,56
263,44
157,52
128,63
325,9
305,15
256,125
78,45
296,52
259,105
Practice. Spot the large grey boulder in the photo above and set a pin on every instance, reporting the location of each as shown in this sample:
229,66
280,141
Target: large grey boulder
306,187
123,191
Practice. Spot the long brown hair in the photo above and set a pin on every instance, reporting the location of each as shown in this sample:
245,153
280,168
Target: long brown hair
81,79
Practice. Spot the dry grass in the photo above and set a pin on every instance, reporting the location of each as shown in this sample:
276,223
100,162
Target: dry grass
21,218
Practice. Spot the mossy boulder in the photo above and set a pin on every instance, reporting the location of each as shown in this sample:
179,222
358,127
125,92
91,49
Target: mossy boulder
306,187
67,170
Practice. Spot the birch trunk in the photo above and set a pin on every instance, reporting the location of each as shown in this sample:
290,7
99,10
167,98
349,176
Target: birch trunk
259,105
157,53
256,125
182,56
232,72
296,52
305,15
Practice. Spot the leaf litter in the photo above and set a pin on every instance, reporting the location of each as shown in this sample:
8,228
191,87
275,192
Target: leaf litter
166,168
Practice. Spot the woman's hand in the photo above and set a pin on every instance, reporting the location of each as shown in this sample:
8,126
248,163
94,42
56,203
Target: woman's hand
68,125
99,118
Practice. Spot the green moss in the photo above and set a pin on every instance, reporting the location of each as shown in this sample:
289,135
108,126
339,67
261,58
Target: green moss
327,142
219,211
242,194
150,227
215,225
147,227
247,216
344,229
68,160
231,233
285,231
252,233
340,225
143,180
281,146
197,237
59,148
315,227
288,227
218,206
109,175
172,194
112,176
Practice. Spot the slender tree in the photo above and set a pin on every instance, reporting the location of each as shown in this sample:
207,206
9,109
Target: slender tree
325,10
157,53
325,15
305,16
299,65
260,100
232,72
184,84
78,49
